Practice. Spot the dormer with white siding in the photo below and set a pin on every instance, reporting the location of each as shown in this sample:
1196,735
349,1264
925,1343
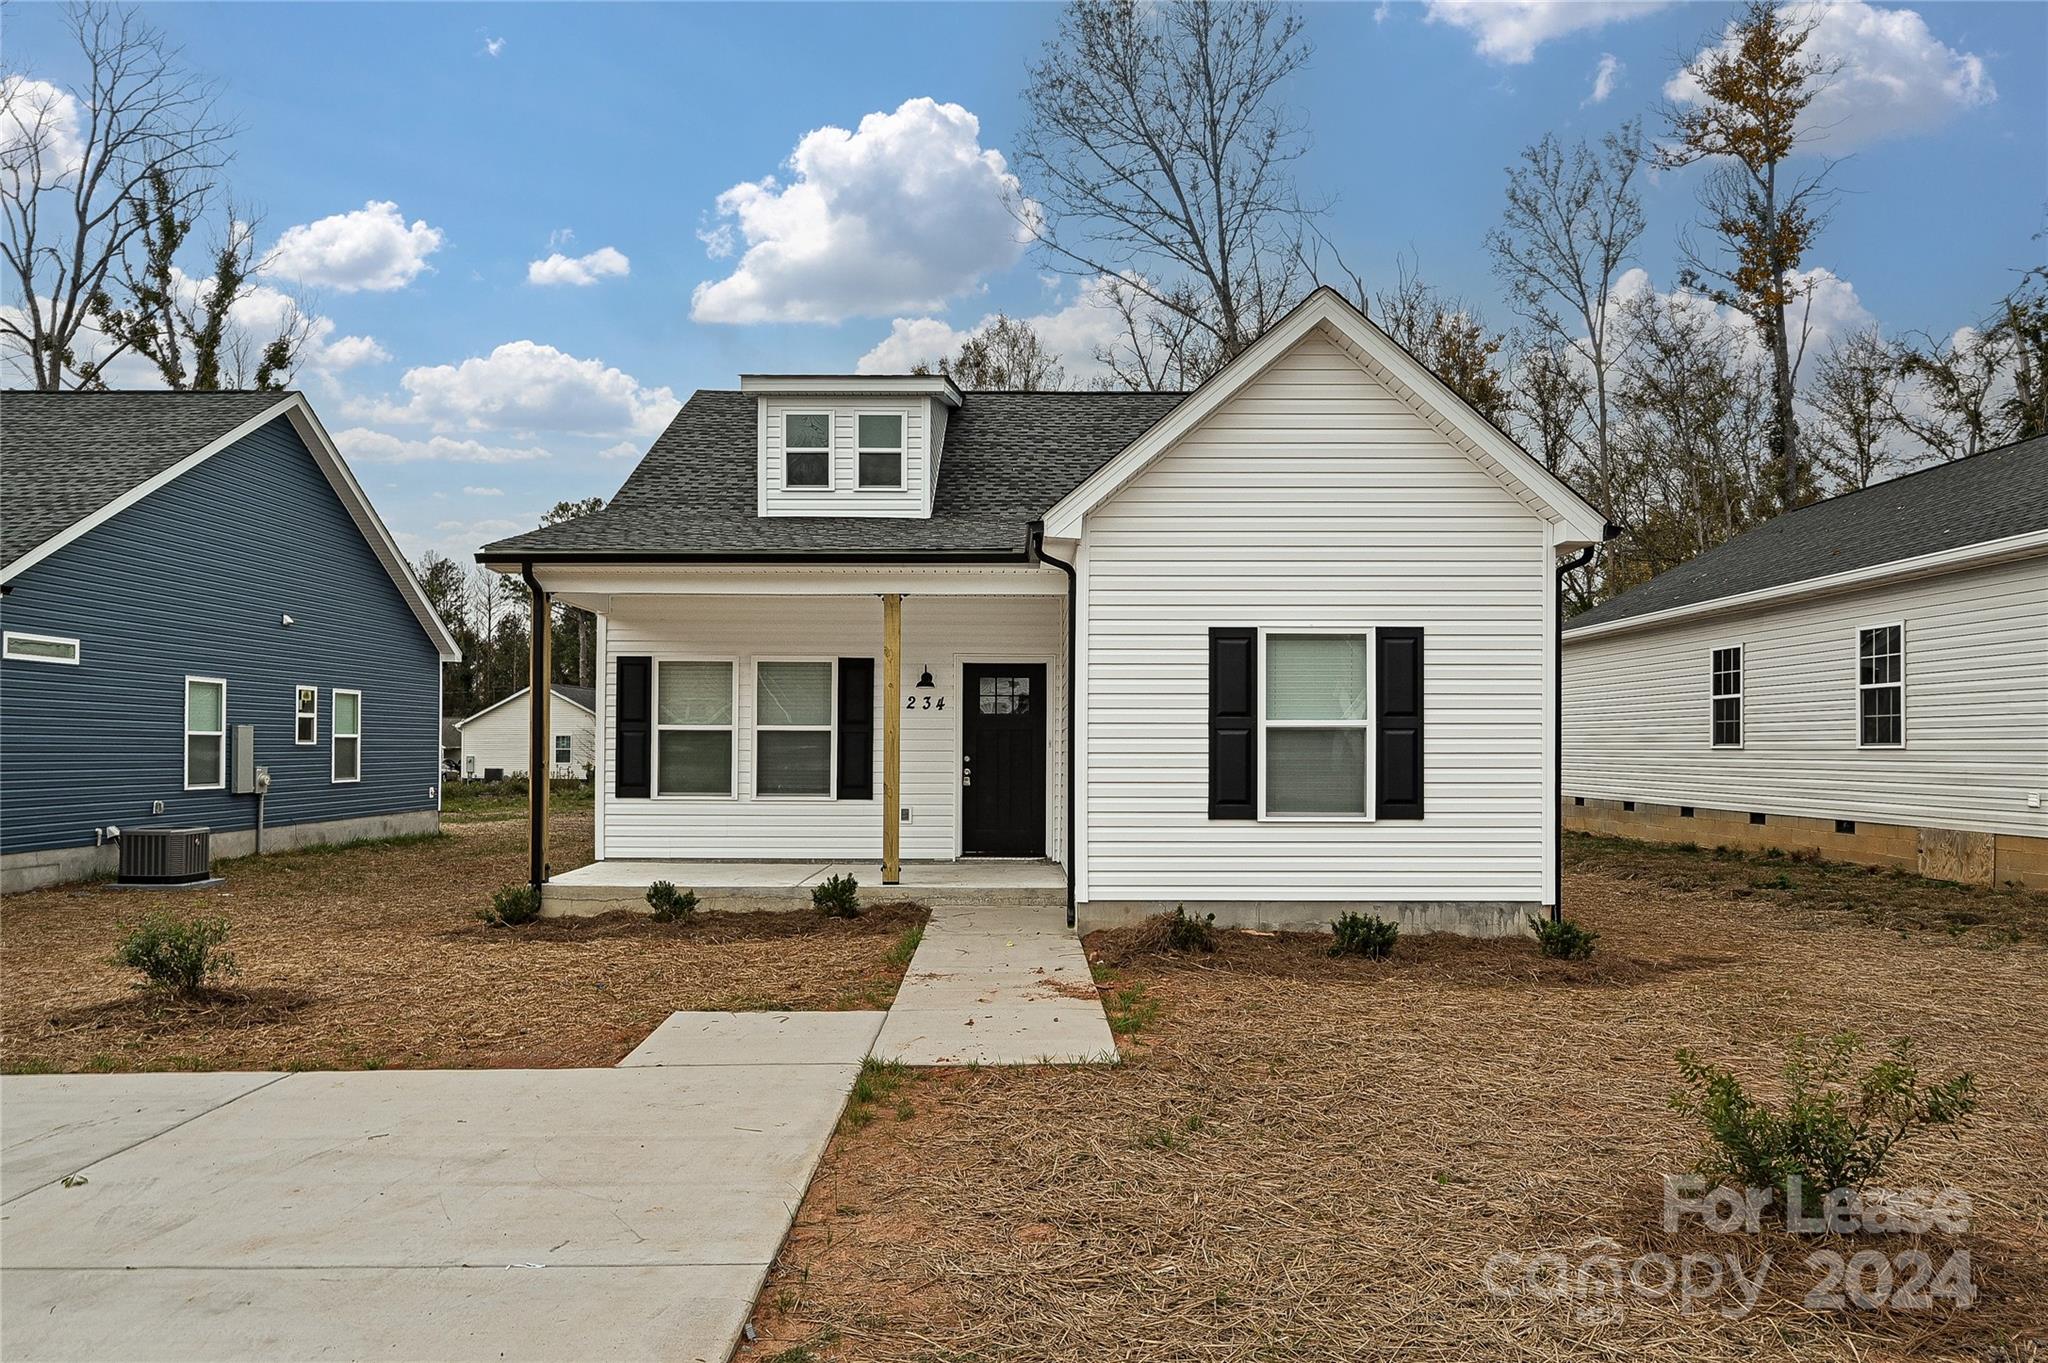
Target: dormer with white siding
849,444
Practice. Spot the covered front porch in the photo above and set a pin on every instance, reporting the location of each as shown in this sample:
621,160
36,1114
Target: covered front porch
741,886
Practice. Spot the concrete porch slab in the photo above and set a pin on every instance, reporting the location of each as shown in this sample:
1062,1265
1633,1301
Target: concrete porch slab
752,886
759,1039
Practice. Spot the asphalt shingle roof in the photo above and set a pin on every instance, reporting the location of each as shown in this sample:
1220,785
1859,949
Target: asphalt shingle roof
64,456
1987,496
585,696
1008,457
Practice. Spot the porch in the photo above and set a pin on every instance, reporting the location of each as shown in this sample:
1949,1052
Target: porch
603,886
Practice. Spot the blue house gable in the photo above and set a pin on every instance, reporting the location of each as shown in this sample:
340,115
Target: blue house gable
241,590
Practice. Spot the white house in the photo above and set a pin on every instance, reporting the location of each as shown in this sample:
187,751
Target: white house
497,738
1866,677
1181,648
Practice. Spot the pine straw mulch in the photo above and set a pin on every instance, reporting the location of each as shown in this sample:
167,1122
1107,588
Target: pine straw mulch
1311,1159
372,956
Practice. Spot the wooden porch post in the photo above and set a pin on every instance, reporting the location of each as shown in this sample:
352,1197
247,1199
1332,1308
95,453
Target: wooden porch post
539,753
892,737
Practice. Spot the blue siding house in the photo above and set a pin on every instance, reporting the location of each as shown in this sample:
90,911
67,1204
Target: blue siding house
176,565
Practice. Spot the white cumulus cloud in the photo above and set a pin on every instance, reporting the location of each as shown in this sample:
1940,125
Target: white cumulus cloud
1895,78
1604,77
42,131
523,386
370,248
1074,332
903,214
579,271
1510,31
469,491
365,446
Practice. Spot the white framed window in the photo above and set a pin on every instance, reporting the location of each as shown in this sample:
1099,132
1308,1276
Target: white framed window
206,733
807,450
39,648
879,449
794,751
563,754
1725,727
1881,686
348,736
1315,711
694,751
306,717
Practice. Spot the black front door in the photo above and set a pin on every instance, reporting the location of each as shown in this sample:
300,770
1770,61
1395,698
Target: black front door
1002,760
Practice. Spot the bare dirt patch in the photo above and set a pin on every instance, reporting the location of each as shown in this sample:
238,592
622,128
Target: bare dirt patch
1307,1159
372,956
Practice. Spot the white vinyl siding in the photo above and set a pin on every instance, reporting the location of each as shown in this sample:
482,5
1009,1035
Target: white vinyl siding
845,494
346,720
206,733
1316,499
498,740
941,632
1975,722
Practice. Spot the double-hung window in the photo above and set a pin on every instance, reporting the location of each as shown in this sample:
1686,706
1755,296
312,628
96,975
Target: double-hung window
693,743
564,754
880,449
1881,686
348,736
206,733
1317,718
306,716
1727,698
807,449
793,715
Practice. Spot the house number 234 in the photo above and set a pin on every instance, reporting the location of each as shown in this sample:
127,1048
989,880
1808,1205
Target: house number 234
927,703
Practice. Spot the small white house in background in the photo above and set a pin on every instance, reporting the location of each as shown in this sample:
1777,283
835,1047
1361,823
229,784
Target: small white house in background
496,739
1180,648
1866,677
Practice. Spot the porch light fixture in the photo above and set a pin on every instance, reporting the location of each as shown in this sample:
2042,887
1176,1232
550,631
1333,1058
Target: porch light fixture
924,681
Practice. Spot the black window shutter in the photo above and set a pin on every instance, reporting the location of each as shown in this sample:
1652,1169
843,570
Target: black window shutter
1233,724
633,729
856,728
1399,723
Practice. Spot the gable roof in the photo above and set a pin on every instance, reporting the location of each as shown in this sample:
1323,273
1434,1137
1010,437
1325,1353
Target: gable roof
1008,456
1381,357
1988,502
582,697
72,461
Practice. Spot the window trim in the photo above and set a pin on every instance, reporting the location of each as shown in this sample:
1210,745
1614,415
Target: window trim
655,728
831,470
901,449
1740,692
185,743
831,728
1370,634
565,741
299,714
1856,665
335,737
7,648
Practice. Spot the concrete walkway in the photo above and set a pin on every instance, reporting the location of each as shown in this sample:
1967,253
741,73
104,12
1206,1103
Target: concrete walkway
628,1213
997,985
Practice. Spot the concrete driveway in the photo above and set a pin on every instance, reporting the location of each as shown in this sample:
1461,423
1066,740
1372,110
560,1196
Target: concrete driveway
628,1213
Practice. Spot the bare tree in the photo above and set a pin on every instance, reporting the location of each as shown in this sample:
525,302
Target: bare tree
1949,400
1005,353
1753,86
1548,404
578,624
73,162
1852,398
1569,230
2023,316
1158,153
1449,338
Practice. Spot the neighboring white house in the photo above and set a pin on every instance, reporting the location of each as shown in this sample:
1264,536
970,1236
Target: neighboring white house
838,617
1866,676
496,739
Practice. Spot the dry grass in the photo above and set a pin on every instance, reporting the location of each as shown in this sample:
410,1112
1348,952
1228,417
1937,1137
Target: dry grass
372,956
1312,1159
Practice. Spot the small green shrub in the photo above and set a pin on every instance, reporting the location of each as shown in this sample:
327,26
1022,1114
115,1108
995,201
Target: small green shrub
1190,934
1363,934
177,954
1832,1131
511,905
1562,939
837,897
670,905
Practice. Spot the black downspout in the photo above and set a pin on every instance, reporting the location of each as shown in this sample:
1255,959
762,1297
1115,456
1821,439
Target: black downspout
1073,633
1570,565
537,708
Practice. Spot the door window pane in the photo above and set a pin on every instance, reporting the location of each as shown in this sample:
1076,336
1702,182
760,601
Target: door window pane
1316,676
694,762
793,693
695,693
1315,771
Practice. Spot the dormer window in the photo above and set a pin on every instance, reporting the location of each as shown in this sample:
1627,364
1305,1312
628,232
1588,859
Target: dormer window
807,449
881,449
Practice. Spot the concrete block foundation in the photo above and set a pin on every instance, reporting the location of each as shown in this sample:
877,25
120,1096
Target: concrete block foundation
1466,918
54,866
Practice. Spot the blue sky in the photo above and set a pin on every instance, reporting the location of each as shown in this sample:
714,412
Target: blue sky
413,163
